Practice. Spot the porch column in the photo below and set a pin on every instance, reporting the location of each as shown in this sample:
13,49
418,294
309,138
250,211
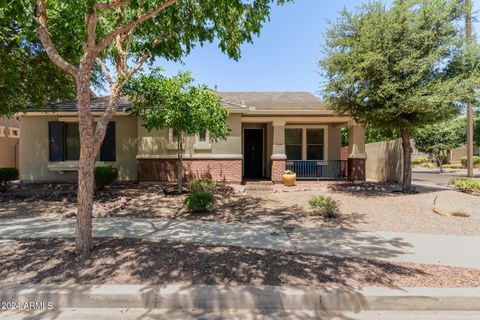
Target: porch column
357,158
279,157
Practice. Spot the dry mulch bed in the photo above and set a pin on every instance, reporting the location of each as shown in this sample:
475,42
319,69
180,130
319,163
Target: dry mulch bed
130,261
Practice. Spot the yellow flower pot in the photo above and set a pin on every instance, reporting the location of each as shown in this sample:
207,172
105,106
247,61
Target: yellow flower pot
289,179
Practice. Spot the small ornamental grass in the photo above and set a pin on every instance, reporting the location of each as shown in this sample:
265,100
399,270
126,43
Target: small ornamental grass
467,185
420,160
201,197
7,175
324,206
104,176
476,161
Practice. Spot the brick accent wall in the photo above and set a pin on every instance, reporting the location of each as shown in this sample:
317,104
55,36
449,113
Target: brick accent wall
278,167
356,169
226,170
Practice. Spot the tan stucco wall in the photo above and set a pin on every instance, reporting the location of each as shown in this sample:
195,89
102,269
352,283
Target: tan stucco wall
8,146
334,142
34,149
156,143
460,152
384,161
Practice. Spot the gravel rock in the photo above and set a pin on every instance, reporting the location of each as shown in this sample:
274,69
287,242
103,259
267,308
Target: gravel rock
131,261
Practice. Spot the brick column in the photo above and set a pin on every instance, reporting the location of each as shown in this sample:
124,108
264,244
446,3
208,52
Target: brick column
278,167
278,158
357,158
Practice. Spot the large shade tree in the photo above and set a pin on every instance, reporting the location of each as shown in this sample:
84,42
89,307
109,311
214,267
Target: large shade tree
119,36
398,67
175,103
28,78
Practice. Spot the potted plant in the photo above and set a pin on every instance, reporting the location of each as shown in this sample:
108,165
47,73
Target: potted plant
289,178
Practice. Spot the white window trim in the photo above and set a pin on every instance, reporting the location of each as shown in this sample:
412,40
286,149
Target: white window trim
304,138
12,135
2,131
202,145
172,145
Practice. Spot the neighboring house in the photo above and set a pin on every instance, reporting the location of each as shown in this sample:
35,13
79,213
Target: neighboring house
270,131
9,143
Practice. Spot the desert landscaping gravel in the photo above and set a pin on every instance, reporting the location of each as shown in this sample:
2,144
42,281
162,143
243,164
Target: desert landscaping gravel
369,207
128,261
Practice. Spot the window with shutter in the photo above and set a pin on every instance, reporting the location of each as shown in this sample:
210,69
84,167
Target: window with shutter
64,142
107,150
56,140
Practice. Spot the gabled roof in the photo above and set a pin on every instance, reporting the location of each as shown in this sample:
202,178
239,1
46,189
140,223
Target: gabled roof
235,101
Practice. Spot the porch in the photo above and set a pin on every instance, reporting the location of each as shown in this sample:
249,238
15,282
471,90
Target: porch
310,147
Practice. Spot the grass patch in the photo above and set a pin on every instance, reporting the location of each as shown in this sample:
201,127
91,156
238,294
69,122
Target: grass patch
467,185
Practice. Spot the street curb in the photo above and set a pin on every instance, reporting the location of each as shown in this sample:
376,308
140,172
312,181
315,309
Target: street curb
271,298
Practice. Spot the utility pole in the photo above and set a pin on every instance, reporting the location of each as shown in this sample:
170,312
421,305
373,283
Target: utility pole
468,31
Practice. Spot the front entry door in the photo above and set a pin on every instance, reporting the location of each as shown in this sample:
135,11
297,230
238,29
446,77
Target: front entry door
253,153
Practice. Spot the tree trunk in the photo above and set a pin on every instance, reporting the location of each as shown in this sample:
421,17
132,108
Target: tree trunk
407,161
180,164
86,166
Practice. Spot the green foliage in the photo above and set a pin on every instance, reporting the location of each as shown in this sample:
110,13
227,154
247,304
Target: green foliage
476,161
104,176
420,160
378,134
467,185
7,175
181,26
438,139
399,67
202,185
454,166
28,79
324,206
163,102
373,134
200,201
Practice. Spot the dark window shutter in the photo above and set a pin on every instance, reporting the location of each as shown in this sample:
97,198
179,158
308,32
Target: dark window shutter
107,150
56,140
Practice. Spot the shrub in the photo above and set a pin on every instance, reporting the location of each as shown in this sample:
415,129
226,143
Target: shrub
476,161
202,185
420,160
200,201
104,176
453,166
467,185
7,175
325,206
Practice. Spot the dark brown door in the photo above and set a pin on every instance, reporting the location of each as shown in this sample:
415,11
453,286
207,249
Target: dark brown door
253,153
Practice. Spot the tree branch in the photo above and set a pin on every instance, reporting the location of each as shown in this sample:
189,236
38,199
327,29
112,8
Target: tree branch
132,25
115,4
42,29
105,71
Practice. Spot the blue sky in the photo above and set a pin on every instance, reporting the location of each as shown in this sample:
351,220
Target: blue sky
283,58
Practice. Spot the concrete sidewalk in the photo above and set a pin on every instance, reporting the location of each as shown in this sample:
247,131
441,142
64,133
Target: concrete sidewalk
445,250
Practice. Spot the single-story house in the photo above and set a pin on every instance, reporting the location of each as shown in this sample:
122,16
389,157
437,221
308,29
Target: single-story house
270,132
